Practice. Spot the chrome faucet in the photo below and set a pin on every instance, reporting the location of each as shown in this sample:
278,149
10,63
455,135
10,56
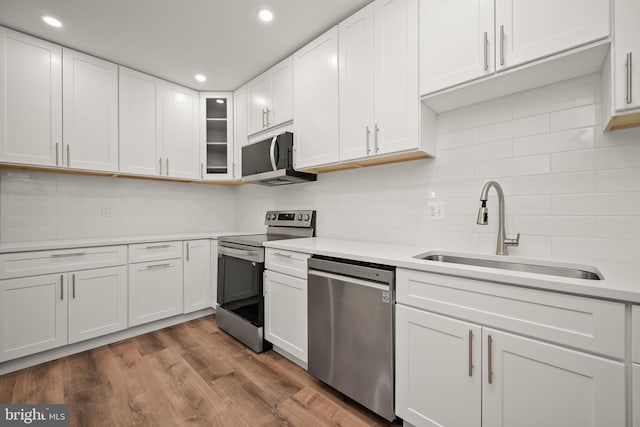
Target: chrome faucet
483,218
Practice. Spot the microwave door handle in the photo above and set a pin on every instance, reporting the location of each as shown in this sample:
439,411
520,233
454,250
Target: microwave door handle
272,153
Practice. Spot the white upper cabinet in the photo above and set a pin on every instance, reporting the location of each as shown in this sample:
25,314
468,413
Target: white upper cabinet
530,29
315,95
180,131
216,135
158,127
30,100
140,121
626,54
461,42
240,137
270,97
357,84
378,64
456,42
90,106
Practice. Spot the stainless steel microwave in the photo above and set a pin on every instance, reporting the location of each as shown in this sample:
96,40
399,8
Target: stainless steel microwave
270,162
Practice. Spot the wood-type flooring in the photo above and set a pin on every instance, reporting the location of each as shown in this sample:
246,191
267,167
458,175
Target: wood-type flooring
188,374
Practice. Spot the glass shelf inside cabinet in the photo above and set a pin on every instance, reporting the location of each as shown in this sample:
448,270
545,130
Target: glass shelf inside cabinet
216,135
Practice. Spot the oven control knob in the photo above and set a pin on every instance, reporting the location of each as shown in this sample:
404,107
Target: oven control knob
267,217
273,216
306,217
299,217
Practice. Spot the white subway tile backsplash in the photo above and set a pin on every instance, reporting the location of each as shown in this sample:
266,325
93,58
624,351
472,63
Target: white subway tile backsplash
574,226
619,227
574,118
617,138
575,139
514,128
595,250
530,165
596,204
584,182
625,156
618,180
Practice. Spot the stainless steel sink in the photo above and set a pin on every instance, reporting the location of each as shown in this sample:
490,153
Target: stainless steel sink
552,270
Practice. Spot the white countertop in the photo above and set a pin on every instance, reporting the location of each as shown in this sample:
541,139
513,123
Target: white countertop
620,282
110,241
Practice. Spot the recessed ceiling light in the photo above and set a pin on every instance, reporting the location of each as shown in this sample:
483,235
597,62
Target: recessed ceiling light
265,15
52,21
200,78
220,101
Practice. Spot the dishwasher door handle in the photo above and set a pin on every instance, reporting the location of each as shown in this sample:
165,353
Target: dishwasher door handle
349,280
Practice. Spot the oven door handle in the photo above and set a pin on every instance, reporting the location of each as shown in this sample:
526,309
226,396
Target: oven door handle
240,253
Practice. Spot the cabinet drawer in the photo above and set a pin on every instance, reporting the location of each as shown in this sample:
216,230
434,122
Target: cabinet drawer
584,323
145,252
635,333
286,262
22,264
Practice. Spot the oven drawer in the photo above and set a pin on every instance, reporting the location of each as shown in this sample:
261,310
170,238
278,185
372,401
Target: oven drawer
144,252
287,262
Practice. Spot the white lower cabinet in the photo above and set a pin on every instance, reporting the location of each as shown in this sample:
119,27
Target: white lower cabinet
453,368
44,312
438,369
33,315
197,275
636,394
285,299
530,383
97,302
155,291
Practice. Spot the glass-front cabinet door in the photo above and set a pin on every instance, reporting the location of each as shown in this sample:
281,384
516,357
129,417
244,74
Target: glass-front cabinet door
216,155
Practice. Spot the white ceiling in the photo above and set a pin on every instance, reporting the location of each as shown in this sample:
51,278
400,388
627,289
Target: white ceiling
176,39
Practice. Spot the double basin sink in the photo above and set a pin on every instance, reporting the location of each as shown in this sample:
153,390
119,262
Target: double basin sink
566,270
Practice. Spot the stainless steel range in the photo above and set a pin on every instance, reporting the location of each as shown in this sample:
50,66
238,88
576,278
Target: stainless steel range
240,299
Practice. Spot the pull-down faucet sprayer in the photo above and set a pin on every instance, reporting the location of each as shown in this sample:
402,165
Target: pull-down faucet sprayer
483,218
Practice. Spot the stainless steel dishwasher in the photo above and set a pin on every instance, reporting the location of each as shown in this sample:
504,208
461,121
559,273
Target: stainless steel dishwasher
351,324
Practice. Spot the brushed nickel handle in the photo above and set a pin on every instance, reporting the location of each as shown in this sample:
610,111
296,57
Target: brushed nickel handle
486,51
167,171
68,154
73,281
375,137
470,353
57,154
283,255
68,254
501,44
156,246
489,362
61,287
268,111
368,133
264,118
201,170
629,81
159,265
187,251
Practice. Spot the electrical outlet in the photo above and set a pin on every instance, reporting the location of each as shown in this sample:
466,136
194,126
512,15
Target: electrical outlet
435,210
105,211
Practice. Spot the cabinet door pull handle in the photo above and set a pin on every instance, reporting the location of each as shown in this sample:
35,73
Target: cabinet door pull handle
67,254
268,111
489,360
57,154
167,171
201,170
68,155
159,265
160,161
156,246
368,133
61,287
375,137
187,251
470,353
501,44
73,280
283,255
486,51
264,118
629,81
